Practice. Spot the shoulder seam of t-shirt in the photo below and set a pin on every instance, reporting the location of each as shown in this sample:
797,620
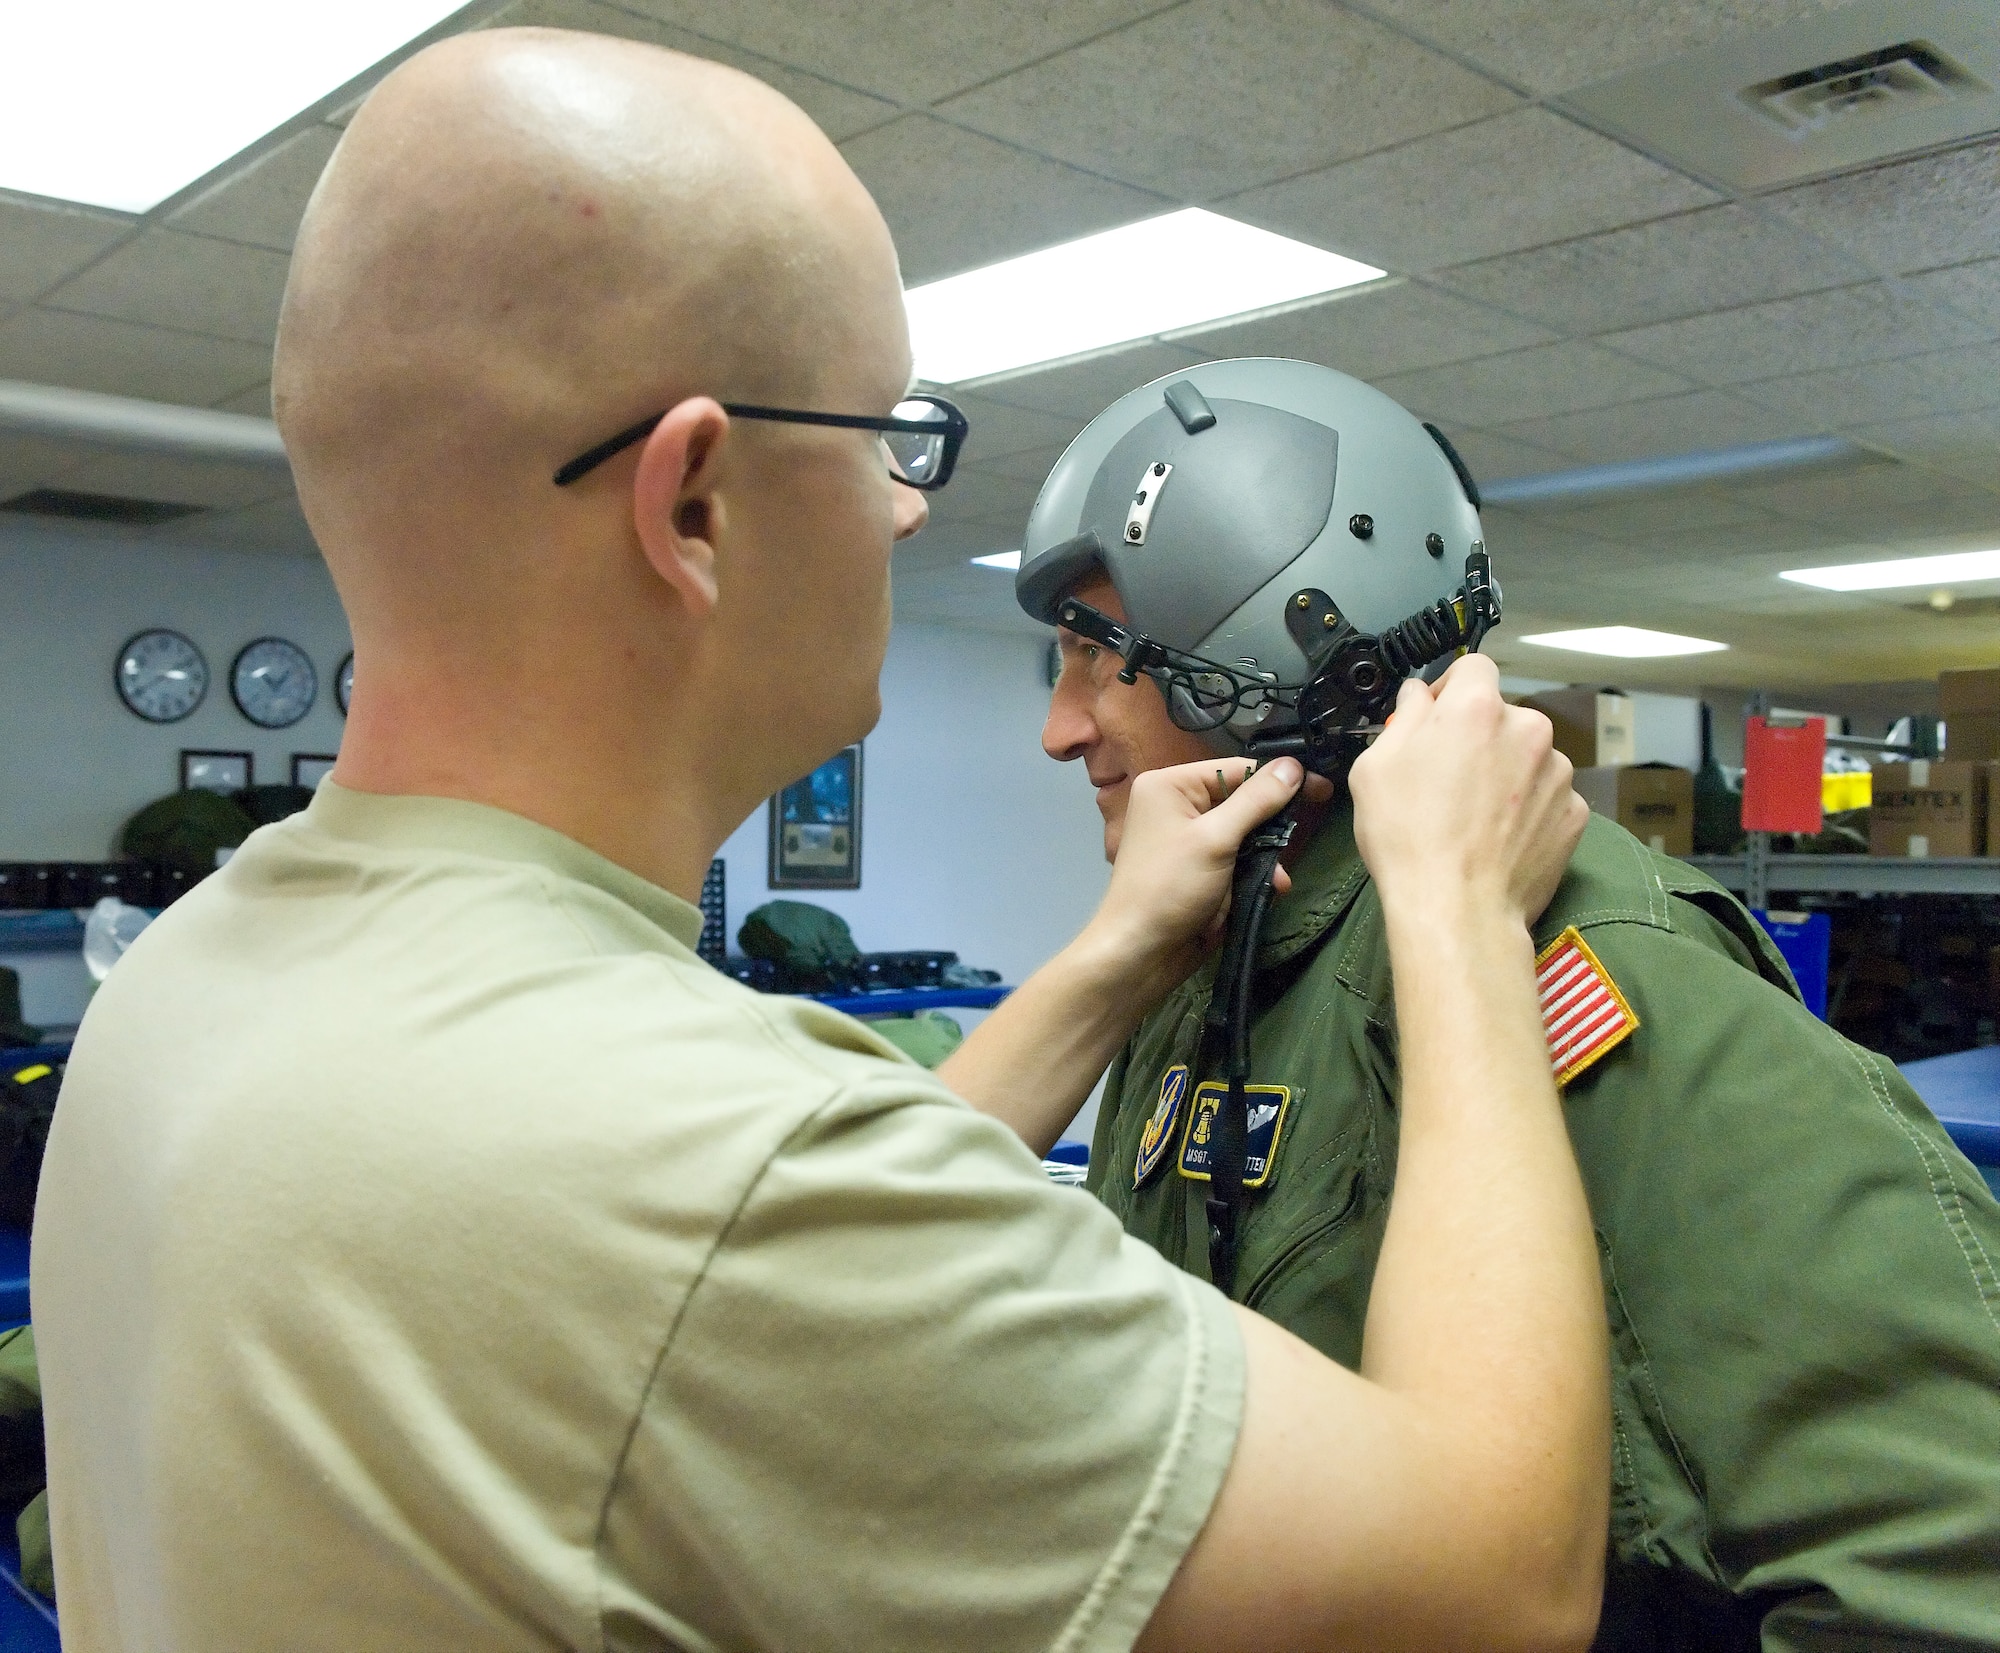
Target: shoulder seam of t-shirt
1195,1387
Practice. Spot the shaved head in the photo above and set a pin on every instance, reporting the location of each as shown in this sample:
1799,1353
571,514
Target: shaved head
528,237
527,241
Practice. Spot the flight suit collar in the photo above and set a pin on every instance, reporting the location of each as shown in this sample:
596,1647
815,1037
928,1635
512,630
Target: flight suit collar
1327,877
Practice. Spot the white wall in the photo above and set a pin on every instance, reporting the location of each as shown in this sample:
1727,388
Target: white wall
972,840
74,762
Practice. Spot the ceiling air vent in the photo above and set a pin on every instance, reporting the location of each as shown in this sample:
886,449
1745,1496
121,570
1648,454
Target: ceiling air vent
1895,80
1843,87
81,507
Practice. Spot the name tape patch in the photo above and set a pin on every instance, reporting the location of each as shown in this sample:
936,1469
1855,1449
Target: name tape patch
1268,1106
1159,1130
1583,1013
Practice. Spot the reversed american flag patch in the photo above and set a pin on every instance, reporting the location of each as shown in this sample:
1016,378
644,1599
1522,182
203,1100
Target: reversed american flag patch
1583,1013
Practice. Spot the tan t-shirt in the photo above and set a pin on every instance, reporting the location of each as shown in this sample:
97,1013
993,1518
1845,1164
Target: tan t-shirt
434,1254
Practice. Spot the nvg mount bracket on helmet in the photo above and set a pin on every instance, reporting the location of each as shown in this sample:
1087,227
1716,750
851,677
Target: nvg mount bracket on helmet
1353,675
1209,500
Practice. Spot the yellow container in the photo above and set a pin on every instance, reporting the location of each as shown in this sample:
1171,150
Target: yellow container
1850,791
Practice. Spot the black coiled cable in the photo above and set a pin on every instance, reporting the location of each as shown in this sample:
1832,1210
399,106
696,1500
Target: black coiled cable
1426,636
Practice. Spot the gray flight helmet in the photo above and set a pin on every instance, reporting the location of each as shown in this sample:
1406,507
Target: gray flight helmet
1211,497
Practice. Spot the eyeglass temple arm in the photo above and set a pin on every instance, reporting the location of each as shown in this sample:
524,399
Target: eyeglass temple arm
584,463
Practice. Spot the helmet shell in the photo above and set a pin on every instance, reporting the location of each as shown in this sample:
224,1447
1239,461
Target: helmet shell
1257,506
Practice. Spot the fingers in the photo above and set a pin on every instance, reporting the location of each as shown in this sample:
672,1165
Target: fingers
1257,799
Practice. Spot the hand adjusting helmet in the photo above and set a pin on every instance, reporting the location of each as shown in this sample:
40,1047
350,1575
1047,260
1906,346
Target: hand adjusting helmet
1289,544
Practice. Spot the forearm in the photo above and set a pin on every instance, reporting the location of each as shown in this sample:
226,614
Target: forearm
1033,1061
1487,1308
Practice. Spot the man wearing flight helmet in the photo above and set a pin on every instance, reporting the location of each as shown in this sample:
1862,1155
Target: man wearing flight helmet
1802,1274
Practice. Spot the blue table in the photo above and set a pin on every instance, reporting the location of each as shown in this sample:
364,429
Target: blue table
908,1001
1964,1092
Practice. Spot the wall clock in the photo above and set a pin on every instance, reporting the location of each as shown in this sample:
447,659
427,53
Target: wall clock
273,683
161,676
343,683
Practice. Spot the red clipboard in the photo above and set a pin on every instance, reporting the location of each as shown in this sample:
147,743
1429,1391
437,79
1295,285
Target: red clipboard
1782,765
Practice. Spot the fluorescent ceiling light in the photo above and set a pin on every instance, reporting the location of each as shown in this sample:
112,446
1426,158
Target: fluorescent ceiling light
1625,642
1954,567
1164,275
1009,560
125,102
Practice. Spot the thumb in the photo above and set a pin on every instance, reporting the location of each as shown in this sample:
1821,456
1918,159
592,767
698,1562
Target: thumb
1257,799
1414,698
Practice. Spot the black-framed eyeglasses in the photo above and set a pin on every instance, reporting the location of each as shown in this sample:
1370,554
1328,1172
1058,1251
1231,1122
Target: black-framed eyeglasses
922,436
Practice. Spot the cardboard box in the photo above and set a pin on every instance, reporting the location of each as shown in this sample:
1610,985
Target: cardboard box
1652,801
1617,729
1594,727
1962,692
1573,712
1929,809
1972,737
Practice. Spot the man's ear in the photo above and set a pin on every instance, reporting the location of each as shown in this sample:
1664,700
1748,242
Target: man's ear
676,500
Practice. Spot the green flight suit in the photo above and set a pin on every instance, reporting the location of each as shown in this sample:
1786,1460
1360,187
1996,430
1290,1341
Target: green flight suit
1802,1274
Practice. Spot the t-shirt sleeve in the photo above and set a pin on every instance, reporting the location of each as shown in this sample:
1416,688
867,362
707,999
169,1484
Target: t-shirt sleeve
921,1399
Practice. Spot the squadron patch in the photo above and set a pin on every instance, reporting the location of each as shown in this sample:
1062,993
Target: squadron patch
1268,1106
1583,1013
1160,1128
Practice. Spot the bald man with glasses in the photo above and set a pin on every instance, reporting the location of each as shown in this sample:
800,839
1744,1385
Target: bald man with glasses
433,1253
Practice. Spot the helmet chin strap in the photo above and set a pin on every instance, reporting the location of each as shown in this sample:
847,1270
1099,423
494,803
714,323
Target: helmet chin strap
1351,684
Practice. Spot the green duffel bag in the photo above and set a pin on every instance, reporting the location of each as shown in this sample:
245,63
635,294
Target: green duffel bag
927,1038
185,829
812,948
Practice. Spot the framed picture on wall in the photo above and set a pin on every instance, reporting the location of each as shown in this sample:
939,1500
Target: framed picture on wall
214,771
310,768
816,828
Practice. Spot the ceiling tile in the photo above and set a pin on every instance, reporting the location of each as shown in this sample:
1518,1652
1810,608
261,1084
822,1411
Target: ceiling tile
41,244
256,401
1085,389
955,200
1492,458
275,525
1520,180
187,281
1707,260
216,484
1965,446
840,110
1912,215
1379,330
1539,383
1218,95
1643,517
914,51
53,347
1703,552
1841,497
999,429
1658,428
983,496
28,461
1553,45
1972,290
262,203
1946,381
956,593
1837,328
1033,466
